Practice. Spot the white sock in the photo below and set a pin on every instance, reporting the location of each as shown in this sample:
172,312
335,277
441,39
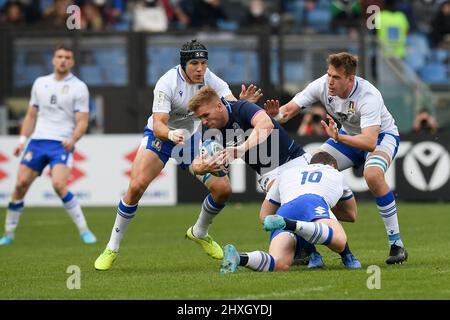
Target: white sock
13,214
260,261
210,209
73,209
125,213
314,232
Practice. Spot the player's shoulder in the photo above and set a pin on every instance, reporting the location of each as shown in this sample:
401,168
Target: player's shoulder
367,89
169,79
319,84
74,80
43,79
211,78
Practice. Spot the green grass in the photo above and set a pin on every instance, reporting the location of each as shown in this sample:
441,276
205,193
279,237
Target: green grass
156,262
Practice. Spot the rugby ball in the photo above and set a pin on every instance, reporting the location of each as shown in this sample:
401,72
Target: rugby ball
211,147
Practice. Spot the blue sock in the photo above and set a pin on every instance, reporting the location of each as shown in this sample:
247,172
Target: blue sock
388,212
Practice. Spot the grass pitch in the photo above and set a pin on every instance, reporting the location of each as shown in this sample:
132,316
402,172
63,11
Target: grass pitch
156,262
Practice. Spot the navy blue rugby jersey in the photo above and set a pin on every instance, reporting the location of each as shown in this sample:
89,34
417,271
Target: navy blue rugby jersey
278,149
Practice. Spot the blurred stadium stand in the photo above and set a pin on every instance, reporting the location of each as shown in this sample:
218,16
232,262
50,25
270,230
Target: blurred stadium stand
280,55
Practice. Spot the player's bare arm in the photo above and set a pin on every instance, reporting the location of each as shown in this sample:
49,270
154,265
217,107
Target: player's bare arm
162,131
267,209
262,128
281,114
81,125
366,140
27,128
346,210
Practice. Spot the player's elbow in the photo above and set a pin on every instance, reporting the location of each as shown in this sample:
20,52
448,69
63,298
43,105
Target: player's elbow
371,146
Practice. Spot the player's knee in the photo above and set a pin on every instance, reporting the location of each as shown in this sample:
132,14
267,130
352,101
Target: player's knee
59,186
137,187
374,177
221,191
339,242
281,267
21,185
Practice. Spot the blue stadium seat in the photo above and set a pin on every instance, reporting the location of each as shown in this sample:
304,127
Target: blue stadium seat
116,75
439,55
92,75
24,75
294,71
414,58
319,19
434,73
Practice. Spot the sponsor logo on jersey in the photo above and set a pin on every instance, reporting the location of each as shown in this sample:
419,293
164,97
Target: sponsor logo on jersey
320,210
65,89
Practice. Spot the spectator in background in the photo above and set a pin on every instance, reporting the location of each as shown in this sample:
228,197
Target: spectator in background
13,15
256,15
91,17
392,30
425,123
150,15
346,16
440,25
202,13
423,12
55,16
310,124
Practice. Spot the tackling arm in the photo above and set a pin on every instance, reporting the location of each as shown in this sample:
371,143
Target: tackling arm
366,140
281,114
346,210
267,208
262,128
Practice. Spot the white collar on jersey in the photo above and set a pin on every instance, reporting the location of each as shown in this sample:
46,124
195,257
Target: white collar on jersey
66,78
355,86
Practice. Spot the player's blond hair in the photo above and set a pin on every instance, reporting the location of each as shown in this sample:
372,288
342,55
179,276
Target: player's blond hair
203,96
345,60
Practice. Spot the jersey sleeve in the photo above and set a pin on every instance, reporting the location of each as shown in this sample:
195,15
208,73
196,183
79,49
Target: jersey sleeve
310,95
221,87
246,111
370,111
81,99
161,98
347,193
34,101
273,196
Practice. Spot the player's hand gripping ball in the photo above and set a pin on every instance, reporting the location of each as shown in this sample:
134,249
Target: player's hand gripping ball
209,149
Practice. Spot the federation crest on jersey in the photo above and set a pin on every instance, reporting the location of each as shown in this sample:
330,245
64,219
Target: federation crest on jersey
157,144
28,156
65,89
351,107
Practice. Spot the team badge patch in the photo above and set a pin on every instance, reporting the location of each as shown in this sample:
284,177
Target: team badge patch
28,156
351,108
65,89
157,144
